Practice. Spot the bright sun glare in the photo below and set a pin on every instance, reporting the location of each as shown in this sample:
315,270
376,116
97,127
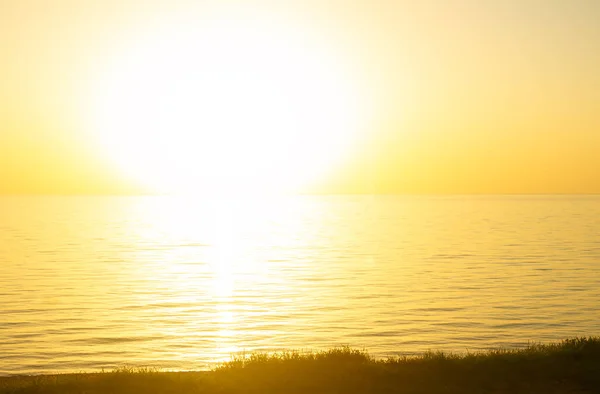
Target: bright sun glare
225,105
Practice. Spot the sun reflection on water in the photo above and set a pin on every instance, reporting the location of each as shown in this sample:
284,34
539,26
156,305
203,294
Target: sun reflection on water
211,258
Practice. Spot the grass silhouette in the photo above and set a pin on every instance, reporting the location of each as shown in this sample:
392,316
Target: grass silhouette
571,366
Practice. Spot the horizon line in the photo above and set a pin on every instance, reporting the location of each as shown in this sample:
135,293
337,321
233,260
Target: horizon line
291,194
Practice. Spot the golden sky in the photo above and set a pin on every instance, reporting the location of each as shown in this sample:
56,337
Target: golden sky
447,96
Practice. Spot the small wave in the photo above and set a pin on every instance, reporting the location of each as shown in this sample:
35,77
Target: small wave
447,256
439,309
112,340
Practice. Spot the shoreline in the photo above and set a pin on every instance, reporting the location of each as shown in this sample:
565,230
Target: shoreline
569,366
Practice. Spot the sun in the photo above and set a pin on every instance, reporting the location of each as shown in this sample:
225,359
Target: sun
228,104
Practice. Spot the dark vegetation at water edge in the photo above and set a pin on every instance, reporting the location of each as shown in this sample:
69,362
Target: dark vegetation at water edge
571,366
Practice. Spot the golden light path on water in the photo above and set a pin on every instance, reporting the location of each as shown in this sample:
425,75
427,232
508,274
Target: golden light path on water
230,228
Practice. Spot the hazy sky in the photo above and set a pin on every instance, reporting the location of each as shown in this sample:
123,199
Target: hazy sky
468,96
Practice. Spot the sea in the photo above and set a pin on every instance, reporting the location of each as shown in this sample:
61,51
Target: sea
96,283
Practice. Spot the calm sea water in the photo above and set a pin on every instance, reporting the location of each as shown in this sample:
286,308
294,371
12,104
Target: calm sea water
98,282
